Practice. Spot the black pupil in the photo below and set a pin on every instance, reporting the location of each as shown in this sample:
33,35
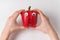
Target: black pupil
33,14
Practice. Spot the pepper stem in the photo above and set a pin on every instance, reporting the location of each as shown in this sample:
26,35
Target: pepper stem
29,7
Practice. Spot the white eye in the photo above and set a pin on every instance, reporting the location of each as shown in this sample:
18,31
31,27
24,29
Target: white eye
33,14
26,14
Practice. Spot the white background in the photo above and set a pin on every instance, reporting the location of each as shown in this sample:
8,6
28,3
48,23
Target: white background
51,8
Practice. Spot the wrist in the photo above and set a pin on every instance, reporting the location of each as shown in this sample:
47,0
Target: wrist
5,35
53,35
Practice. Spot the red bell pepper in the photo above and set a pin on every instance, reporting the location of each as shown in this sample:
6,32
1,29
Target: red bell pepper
29,17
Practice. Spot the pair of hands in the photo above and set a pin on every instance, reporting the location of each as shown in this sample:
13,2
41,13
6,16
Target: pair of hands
12,26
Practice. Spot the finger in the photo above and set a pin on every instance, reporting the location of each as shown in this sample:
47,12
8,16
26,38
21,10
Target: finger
37,28
16,14
18,28
40,13
22,27
40,29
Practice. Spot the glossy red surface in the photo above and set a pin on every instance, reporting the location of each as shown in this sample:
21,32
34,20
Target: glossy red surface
29,18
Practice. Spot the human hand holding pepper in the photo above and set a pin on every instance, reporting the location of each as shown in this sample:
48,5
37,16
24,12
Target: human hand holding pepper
46,27
11,26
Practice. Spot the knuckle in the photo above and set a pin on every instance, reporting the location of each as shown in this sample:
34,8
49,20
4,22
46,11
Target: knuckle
46,18
16,12
11,30
10,18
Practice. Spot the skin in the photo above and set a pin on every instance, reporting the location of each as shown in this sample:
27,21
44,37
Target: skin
46,27
12,26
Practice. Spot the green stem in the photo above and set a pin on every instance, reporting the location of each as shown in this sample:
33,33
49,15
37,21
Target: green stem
29,7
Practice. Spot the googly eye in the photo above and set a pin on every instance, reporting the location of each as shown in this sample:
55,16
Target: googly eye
33,14
26,14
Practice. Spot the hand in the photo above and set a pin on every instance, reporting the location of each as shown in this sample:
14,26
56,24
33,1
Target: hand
11,25
46,26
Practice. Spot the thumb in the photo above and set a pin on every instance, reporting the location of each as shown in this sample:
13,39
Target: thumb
21,27
18,28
